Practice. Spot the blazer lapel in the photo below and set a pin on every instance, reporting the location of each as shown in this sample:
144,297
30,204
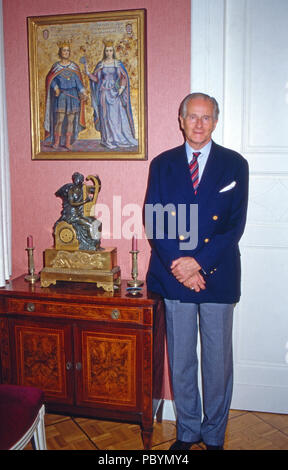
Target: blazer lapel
182,177
212,173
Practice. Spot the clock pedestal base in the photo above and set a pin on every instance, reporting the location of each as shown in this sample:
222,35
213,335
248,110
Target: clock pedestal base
99,267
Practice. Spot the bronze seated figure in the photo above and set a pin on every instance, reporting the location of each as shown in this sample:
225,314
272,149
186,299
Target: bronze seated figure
77,255
76,227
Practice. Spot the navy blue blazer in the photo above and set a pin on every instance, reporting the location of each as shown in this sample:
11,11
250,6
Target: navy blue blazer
221,201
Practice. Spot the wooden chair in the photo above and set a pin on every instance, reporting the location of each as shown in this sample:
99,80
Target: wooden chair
21,417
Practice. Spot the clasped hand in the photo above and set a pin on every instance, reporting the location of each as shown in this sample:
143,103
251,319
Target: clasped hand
187,271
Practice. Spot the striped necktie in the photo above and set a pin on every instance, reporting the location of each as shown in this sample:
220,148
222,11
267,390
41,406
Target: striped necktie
194,170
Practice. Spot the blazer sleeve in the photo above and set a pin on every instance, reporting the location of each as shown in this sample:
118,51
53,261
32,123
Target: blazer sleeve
156,222
210,254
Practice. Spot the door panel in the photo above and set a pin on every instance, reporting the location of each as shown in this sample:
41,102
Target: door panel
44,358
250,50
109,368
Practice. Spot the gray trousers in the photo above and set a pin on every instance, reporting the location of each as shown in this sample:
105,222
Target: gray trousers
196,421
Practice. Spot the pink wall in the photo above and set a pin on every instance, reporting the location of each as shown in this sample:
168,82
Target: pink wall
33,183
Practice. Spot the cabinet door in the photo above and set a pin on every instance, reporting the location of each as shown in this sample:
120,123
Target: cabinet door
43,358
109,367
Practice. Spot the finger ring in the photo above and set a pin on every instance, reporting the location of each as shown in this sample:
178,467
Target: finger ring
192,288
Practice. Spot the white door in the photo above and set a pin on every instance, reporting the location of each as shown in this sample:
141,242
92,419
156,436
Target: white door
240,55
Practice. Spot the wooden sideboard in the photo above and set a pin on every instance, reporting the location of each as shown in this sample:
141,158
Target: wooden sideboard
94,353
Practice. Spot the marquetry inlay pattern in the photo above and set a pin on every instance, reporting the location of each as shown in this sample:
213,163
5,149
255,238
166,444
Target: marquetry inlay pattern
109,365
39,357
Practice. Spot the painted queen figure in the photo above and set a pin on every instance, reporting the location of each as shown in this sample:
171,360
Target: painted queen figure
110,96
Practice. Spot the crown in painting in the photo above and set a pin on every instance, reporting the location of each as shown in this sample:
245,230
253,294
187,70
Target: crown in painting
108,43
65,43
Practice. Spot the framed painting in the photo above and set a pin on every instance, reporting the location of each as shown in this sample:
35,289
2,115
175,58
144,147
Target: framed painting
88,86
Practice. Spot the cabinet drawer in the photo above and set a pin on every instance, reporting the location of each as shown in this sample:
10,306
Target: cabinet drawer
74,310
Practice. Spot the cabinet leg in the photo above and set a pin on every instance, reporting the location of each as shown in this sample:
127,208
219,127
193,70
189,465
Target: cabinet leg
147,438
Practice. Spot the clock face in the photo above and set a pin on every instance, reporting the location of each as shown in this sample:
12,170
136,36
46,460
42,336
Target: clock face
66,235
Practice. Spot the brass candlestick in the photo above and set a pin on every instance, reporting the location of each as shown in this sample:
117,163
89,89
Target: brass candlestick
135,282
31,277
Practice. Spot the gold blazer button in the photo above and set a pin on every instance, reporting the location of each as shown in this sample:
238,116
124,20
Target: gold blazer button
207,240
215,217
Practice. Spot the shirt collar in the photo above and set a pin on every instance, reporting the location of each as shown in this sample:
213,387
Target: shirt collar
204,151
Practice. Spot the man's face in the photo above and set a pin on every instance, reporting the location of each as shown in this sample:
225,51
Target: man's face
65,52
199,122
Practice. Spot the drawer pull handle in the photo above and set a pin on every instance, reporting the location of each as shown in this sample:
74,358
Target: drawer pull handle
68,365
30,307
115,314
78,366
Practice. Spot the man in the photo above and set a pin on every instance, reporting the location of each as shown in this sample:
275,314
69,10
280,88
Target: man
65,96
198,270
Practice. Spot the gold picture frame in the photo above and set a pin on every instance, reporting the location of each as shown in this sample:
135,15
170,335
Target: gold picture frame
88,86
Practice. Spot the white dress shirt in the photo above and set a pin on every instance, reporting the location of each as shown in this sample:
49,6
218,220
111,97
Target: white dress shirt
202,159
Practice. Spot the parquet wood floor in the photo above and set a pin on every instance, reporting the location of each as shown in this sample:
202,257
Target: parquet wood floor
246,431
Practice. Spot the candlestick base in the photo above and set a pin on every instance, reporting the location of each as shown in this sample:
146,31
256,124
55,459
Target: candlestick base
135,283
32,278
134,292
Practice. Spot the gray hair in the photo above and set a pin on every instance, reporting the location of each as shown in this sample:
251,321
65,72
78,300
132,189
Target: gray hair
191,96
